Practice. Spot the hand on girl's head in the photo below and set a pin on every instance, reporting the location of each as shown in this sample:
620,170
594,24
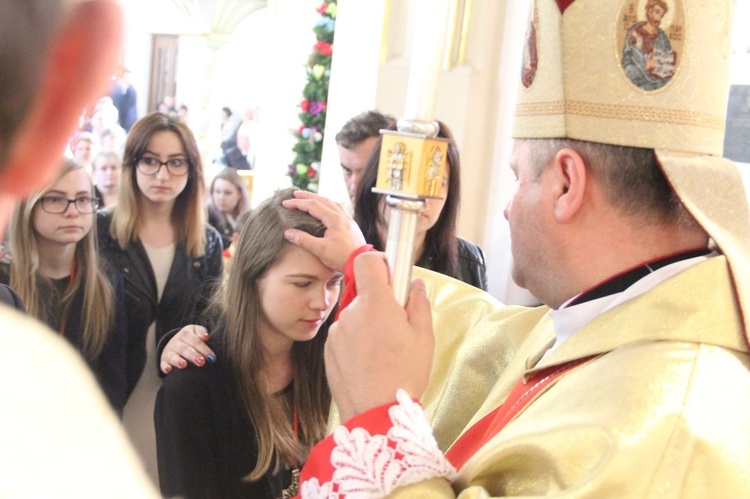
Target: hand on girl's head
342,236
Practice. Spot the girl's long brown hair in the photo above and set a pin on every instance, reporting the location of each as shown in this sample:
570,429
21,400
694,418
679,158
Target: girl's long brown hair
97,315
261,245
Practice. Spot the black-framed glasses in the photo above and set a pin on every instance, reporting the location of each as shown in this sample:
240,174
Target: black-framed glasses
59,204
175,166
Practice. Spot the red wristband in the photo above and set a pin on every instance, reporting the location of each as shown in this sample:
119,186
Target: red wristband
350,286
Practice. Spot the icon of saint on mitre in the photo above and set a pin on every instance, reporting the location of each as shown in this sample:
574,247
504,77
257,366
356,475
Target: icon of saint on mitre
652,40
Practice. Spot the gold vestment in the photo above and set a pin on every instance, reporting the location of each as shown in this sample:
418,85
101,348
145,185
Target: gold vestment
663,412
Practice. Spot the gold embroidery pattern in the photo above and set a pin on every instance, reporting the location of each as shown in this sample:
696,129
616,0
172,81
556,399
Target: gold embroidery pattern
615,111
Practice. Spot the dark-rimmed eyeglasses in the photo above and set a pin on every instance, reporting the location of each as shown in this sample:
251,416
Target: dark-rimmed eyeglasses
175,166
59,204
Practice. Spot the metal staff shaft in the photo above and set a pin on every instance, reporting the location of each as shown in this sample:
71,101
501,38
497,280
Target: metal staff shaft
411,169
400,246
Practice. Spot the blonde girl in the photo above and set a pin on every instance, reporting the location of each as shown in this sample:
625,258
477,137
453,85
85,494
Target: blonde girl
56,270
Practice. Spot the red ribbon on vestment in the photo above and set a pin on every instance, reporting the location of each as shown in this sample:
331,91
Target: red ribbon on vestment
522,393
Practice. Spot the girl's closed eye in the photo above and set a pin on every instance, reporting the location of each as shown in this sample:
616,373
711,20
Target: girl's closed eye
302,284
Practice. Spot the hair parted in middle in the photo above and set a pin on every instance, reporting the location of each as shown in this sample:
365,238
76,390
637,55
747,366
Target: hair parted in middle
188,213
262,245
440,251
98,298
230,175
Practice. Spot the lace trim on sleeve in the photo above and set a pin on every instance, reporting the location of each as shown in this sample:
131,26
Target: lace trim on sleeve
369,466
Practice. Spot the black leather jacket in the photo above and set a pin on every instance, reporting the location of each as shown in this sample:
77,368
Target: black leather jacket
224,229
189,287
471,267
109,367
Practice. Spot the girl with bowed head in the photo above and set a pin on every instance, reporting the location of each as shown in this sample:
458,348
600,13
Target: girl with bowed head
243,425
170,258
228,200
57,272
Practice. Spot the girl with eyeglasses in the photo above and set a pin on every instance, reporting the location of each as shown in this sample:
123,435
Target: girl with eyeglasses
170,258
56,270
242,425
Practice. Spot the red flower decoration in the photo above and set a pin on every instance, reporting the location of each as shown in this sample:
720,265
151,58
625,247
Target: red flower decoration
304,105
324,48
322,8
301,127
311,172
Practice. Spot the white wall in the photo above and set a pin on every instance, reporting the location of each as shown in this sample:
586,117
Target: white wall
353,83
260,63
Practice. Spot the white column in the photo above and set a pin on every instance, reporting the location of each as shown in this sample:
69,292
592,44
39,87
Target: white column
353,83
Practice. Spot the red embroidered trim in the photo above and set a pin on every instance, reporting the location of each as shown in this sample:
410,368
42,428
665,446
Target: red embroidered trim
564,4
489,426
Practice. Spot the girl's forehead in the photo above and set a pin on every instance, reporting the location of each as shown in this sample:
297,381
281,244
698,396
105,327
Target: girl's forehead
76,179
297,260
167,140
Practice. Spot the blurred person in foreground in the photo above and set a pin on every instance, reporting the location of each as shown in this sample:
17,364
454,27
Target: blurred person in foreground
60,437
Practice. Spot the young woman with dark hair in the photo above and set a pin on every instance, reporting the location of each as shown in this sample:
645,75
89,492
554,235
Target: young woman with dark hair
438,246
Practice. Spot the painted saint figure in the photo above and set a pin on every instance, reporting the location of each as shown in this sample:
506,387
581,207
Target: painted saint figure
530,58
396,166
648,58
434,179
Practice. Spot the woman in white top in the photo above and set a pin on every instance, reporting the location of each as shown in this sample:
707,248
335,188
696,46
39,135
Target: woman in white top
170,258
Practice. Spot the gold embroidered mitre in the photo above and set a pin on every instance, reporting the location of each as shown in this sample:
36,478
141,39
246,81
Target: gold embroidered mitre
644,73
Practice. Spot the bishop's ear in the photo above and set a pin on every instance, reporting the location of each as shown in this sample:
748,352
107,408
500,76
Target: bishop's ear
83,56
571,180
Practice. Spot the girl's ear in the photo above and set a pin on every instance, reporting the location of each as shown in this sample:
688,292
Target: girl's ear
83,57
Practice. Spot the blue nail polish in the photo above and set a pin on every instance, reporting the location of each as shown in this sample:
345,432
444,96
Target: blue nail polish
211,358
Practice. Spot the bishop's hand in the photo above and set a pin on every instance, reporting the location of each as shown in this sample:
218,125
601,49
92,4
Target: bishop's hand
377,346
342,236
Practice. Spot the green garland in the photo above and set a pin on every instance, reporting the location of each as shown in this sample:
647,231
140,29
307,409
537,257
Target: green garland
308,150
